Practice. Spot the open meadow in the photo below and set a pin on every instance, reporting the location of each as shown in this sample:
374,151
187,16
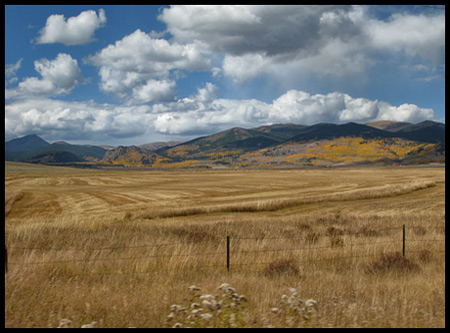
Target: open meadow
331,247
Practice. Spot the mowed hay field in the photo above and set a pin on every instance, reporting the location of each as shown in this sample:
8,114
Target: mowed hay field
307,247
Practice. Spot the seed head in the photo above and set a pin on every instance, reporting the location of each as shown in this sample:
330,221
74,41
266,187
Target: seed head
275,310
223,286
206,316
208,305
207,297
310,303
193,288
230,290
195,305
64,323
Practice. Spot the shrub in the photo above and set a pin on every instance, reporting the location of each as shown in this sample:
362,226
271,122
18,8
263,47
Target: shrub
281,266
419,231
393,262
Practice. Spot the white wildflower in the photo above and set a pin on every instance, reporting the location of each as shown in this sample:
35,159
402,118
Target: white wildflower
223,286
293,292
171,315
230,290
310,303
194,312
208,305
64,323
195,305
275,310
193,288
208,297
174,307
206,316
177,325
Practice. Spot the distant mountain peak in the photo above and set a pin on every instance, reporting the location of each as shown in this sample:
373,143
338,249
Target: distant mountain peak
28,142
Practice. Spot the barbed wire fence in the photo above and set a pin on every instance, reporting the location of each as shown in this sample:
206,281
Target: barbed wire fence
232,249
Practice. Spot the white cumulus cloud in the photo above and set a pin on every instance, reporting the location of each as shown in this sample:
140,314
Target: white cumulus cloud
58,76
405,112
88,122
200,114
413,34
194,115
288,41
130,68
73,31
154,90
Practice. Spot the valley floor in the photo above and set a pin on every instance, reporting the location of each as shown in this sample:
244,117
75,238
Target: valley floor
120,248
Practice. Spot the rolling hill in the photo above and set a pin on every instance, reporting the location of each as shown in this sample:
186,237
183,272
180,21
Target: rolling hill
227,141
290,145
278,145
131,156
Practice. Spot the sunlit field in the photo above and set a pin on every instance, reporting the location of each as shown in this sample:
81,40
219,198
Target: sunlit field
344,247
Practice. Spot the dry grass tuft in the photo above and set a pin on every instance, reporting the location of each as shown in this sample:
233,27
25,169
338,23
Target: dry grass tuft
282,267
312,237
392,262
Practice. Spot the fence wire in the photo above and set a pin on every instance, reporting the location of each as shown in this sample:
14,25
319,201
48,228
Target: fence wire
232,251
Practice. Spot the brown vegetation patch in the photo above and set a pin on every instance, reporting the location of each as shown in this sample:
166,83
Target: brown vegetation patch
281,266
312,238
333,231
392,262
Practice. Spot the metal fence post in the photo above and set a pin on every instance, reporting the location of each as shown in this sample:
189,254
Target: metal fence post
228,253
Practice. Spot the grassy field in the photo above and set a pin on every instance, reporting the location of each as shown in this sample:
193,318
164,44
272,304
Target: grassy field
308,247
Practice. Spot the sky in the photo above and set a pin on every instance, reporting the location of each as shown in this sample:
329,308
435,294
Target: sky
129,75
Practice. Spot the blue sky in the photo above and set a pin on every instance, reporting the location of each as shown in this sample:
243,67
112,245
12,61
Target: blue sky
123,75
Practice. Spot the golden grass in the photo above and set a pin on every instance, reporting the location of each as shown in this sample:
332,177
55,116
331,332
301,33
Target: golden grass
120,248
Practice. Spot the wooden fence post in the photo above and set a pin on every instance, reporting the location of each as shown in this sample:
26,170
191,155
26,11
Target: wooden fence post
228,253
404,240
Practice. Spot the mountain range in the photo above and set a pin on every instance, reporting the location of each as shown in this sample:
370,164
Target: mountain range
271,146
